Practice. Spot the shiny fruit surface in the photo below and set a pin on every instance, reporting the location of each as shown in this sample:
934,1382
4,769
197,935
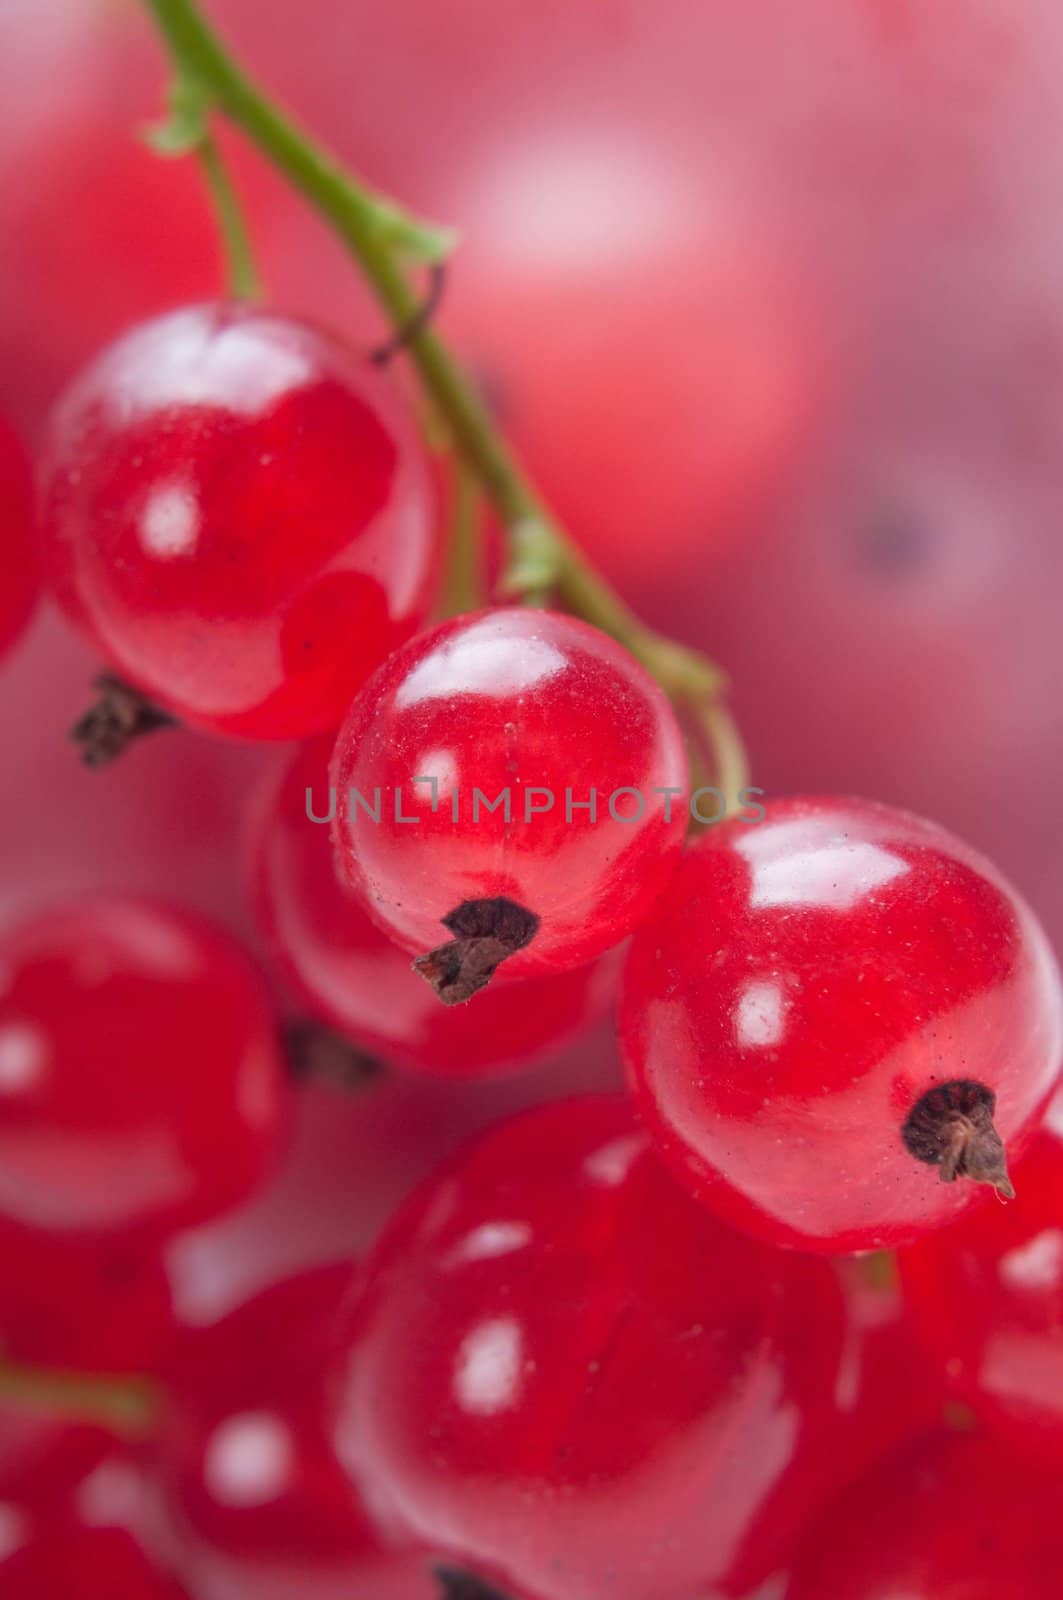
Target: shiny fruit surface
351,975
831,1010
568,1373
143,1085
238,513
986,1298
541,717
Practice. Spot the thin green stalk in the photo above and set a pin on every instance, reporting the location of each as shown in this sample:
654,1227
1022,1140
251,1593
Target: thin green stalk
381,236
463,585
127,1405
243,276
543,565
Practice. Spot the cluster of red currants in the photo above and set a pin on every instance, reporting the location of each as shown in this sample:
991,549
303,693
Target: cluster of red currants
604,1354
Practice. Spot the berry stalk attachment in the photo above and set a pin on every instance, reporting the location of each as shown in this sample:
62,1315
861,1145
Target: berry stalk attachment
385,240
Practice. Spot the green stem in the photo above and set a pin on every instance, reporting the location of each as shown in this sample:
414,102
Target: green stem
243,277
127,1405
544,565
463,586
377,233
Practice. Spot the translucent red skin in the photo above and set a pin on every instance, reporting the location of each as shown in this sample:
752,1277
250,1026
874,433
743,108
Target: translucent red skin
270,1364
949,1518
123,1323
18,590
237,511
569,1375
513,698
351,975
146,1086
986,1299
76,1562
854,1001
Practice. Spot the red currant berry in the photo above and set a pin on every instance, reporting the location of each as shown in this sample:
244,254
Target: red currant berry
831,1011
574,746
125,1313
351,975
237,512
72,1562
19,586
141,1082
123,1324
43,1458
252,1484
947,1519
987,1301
570,1375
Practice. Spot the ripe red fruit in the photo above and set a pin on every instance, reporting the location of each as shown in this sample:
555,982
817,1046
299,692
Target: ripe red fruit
251,1480
351,975
141,1083
124,1321
538,710
948,1519
238,513
569,1375
831,1011
69,1561
19,587
986,1298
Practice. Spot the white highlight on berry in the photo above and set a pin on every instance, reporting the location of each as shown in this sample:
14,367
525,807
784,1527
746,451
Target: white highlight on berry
487,1375
1036,1264
248,1459
13,1530
184,359
23,1057
169,523
611,1164
796,864
480,661
759,1014
491,1240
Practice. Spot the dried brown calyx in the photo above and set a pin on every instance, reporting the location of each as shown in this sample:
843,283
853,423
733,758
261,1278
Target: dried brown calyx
951,1128
486,933
119,716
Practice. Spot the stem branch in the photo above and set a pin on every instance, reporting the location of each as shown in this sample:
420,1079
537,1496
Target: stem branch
126,1405
243,276
544,564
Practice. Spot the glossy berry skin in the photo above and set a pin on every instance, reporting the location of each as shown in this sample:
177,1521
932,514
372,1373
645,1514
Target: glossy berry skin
803,984
570,1375
124,1321
252,1488
351,975
947,1519
142,1083
238,513
69,1561
986,1298
19,587
519,701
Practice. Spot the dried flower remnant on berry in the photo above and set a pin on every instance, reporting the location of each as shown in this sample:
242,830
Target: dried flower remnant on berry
115,720
951,1127
485,933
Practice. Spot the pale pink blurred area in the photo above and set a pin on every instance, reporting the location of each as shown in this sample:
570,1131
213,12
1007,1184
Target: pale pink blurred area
165,821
